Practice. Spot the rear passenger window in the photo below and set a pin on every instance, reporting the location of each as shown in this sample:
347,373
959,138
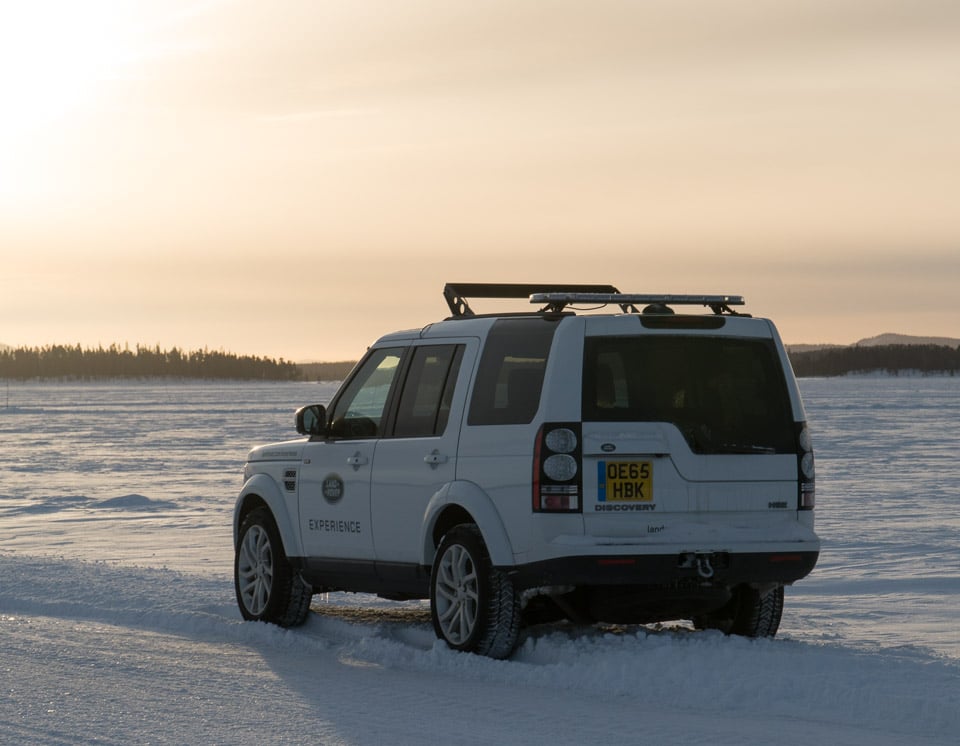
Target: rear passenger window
510,375
428,390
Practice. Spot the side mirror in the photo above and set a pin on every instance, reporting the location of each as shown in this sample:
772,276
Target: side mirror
312,420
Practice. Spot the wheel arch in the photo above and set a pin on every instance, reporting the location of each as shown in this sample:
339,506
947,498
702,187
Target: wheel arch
261,492
465,502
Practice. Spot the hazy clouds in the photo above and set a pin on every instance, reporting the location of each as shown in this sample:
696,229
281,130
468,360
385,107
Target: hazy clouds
781,150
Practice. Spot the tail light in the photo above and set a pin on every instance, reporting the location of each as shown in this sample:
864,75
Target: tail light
557,468
806,468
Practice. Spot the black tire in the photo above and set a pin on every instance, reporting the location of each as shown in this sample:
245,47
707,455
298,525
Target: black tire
749,613
267,588
474,606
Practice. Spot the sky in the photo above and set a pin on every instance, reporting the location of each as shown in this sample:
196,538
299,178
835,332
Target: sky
295,178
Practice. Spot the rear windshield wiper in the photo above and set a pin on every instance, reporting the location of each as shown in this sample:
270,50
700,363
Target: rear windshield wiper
743,448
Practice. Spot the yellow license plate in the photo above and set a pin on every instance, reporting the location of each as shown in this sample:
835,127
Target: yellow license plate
625,482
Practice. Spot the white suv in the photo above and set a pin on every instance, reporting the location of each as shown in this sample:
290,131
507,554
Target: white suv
626,467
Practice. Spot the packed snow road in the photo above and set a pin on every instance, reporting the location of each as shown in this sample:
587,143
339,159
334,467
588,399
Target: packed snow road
94,653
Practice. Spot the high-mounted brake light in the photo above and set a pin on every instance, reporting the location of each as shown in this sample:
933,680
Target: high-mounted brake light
557,468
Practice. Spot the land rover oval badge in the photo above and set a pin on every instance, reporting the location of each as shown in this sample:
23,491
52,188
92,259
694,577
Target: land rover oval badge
608,448
332,488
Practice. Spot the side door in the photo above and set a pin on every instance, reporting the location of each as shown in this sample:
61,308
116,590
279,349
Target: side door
420,456
334,493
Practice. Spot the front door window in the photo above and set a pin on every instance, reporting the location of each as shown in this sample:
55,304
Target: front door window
359,411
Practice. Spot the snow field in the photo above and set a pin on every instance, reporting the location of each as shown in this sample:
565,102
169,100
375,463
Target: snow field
118,623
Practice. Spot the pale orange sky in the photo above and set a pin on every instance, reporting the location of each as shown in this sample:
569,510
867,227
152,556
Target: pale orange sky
295,178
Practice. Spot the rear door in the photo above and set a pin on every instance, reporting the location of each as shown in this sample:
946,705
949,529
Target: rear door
420,455
677,425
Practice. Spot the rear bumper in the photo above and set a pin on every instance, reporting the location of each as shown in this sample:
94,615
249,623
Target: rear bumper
724,568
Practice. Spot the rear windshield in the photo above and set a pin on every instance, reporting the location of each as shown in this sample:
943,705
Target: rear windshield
725,394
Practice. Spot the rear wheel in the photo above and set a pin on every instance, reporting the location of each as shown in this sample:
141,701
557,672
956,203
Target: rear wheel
268,590
474,606
750,613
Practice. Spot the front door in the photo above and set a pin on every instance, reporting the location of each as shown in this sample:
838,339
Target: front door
335,472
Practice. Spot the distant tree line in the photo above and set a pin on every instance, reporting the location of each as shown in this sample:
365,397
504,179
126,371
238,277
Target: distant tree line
326,371
893,359
77,363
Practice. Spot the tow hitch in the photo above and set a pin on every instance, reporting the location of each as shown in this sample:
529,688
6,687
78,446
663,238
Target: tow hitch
703,562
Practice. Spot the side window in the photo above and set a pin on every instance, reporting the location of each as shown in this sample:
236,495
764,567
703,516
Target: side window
358,411
428,390
511,370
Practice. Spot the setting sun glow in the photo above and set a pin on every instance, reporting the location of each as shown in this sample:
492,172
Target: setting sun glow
55,58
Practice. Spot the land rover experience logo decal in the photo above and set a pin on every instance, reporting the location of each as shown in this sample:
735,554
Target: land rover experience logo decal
332,488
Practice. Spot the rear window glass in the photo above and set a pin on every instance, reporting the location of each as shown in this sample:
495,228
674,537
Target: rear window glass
510,375
725,394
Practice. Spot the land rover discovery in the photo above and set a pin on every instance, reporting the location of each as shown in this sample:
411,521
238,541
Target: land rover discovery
627,464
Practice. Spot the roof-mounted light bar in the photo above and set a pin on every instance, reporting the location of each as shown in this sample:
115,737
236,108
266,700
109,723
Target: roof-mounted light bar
556,302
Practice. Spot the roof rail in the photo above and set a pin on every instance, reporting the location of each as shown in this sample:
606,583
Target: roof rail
456,292
557,301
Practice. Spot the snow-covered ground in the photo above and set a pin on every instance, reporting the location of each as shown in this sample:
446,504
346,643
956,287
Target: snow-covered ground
118,623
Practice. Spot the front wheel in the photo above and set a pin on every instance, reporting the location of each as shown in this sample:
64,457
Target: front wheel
268,590
474,606
750,613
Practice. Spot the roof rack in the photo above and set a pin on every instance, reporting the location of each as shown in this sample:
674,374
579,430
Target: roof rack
556,297
719,304
456,292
